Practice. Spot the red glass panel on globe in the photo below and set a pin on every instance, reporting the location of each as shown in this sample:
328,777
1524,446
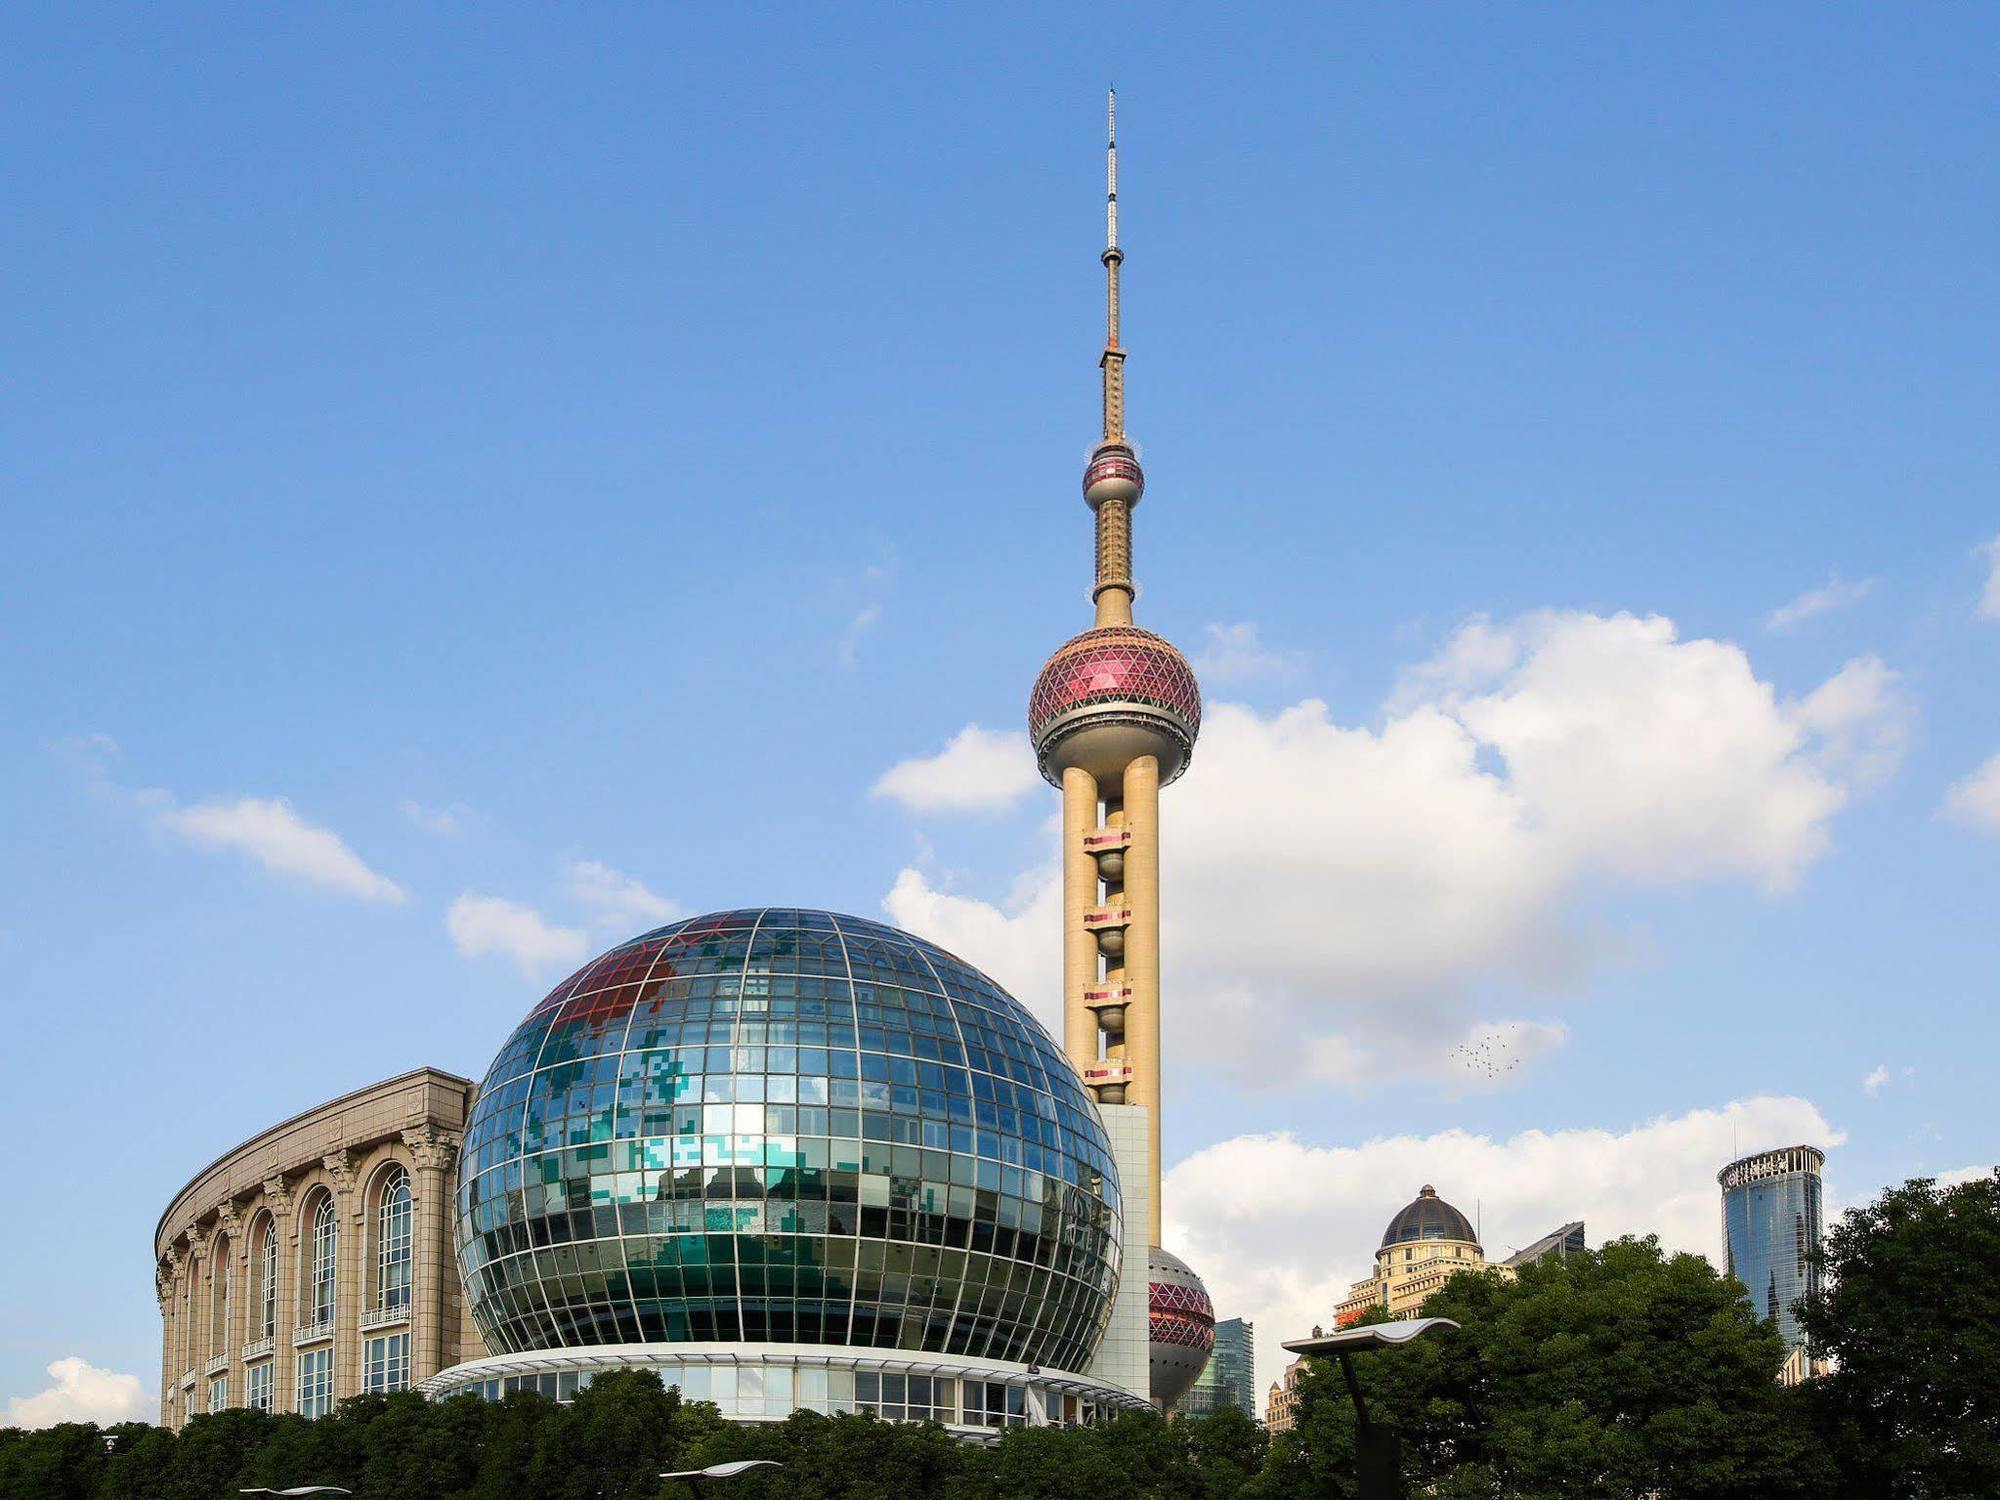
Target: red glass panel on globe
1116,675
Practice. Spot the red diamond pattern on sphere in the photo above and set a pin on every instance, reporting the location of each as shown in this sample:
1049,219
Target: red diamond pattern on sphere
1114,664
1181,1315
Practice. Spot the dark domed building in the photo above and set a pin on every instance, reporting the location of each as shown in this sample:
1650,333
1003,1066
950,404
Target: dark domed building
1426,1242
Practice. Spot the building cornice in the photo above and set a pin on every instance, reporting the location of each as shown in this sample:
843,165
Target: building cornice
201,1197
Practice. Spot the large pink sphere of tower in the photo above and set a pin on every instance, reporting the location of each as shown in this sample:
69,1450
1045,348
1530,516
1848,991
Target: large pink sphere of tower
1109,696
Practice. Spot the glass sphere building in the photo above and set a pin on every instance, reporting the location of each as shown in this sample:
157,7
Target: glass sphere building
806,1151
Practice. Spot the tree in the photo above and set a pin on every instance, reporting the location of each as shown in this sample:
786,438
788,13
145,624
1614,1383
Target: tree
613,1441
1911,1320
1619,1372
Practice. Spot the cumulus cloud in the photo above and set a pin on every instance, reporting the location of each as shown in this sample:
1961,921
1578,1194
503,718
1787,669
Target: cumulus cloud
272,833
1237,653
1989,597
1278,1228
978,770
1835,594
1359,882
491,925
79,1391
1961,1175
1861,719
1876,1081
615,899
1018,941
1975,801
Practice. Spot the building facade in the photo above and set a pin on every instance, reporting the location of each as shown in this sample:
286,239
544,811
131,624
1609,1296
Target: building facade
1771,1223
313,1262
1228,1379
1426,1243
1113,717
1557,1244
1281,1404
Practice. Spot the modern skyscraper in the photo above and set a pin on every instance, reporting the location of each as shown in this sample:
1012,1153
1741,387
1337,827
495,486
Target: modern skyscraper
1228,1379
1559,1244
1770,1228
1113,717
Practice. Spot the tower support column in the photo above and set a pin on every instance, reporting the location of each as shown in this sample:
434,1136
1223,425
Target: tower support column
1079,818
1142,957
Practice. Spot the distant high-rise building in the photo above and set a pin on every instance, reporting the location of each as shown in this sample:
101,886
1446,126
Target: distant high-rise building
1770,1229
1561,1243
1227,1378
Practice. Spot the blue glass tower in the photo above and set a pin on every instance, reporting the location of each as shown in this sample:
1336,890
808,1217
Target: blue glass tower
1770,1229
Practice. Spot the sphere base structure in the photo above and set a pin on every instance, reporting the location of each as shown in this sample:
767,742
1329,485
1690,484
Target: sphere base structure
768,1382
1182,1326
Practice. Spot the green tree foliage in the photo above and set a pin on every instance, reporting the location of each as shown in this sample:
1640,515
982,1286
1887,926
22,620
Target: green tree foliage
1911,1319
1620,1372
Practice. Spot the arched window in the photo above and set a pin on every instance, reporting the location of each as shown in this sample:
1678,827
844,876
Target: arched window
392,1242
267,1281
218,1300
325,1251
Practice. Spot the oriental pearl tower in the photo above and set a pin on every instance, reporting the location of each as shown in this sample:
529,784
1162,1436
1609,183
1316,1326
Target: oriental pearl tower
1113,718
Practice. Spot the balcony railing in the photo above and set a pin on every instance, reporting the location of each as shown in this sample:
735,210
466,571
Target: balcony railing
257,1348
309,1333
216,1365
383,1317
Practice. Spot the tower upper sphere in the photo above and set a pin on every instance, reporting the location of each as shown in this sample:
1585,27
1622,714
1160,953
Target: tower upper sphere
1109,696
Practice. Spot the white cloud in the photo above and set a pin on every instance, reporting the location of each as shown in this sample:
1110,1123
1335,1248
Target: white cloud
81,1392
1961,1175
1876,1081
1835,594
1989,597
1862,719
1358,883
978,768
446,822
848,647
1236,653
1975,801
615,899
1017,942
1279,1228
481,925
270,832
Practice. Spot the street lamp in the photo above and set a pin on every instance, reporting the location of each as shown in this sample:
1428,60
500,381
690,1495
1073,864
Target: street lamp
1378,1455
692,1478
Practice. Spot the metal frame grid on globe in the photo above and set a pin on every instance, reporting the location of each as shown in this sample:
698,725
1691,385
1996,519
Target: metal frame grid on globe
787,1126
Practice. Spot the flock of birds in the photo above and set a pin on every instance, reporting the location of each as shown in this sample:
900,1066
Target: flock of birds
1491,1055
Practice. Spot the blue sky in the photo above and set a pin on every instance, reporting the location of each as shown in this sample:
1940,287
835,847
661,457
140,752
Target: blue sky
527,441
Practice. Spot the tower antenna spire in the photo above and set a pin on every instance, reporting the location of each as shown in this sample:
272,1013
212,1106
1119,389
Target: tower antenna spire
1112,481
1114,357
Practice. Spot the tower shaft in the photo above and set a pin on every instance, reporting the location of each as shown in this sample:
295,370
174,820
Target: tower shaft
1113,717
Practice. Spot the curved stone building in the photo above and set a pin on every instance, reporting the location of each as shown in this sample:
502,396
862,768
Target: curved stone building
313,1262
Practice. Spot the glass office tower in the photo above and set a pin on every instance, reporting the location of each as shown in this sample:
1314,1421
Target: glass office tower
1771,1227
1229,1377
